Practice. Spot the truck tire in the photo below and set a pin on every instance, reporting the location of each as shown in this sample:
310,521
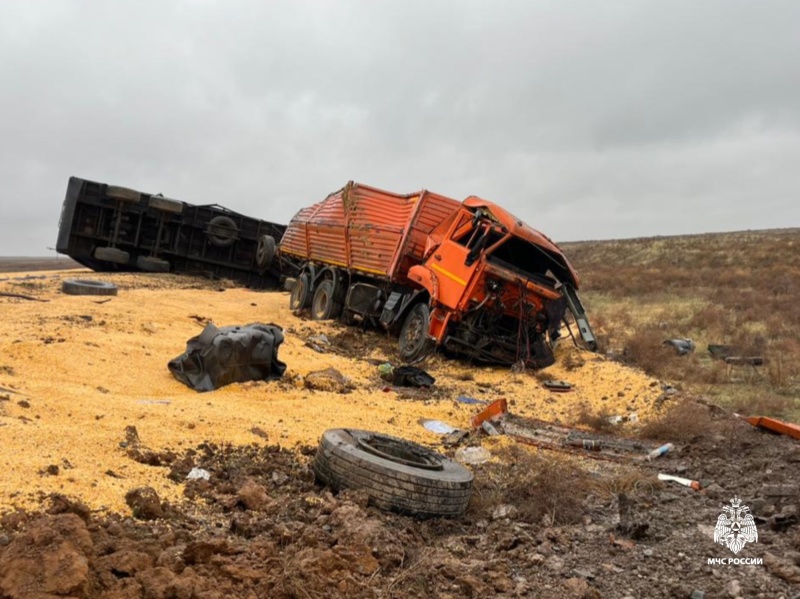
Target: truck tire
165,204
300,298
396,474
265,251
88,287
325,305
414,342
123,194
114,255
222,231
151,264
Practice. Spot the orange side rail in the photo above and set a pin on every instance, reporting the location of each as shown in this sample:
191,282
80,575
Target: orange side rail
774,425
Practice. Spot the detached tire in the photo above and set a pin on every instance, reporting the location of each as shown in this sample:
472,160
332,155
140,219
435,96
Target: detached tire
414,342
396,474
88,287
123,194
300,298
325,306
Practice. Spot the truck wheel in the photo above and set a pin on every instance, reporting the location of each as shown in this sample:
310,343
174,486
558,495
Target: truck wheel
150,264
414,342
165,204
325,306
112,255
396,474
300,298
87,287
265,251
222,231
123,194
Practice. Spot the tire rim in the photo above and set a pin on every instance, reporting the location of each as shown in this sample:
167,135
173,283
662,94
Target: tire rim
400,452
322,304
297,291
413,333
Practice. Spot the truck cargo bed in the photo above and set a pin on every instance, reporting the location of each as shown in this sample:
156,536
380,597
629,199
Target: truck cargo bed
367,230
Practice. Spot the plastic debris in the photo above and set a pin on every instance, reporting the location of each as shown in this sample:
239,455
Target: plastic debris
619,419
686,482
659,451
405,376
469,400
681,346
318,343
198,474
489,428
437,426
472,455
557,386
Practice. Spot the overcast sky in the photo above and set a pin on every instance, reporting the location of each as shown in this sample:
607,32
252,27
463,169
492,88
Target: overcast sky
587,119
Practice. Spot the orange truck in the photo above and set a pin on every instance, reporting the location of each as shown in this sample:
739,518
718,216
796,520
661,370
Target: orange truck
467,276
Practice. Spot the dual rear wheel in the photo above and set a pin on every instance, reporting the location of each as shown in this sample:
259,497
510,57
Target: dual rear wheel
326,303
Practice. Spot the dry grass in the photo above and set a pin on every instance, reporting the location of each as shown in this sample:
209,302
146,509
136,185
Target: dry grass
737,289
681,422
545,489
598,420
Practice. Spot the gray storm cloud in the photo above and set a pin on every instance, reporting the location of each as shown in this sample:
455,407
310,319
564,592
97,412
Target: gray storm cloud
586,119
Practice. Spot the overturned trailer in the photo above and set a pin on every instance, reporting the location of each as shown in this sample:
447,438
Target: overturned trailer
112,228
466,276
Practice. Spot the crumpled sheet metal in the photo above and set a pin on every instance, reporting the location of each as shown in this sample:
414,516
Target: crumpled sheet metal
233,354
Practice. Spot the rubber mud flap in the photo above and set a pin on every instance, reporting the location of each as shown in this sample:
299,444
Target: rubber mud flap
114,255
88,287
397,475
123,194
234,354
150,264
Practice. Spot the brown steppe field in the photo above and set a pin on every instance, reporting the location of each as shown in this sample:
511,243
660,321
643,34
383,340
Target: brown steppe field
89,413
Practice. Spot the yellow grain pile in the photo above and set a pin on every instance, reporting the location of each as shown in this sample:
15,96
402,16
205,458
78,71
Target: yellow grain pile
84,370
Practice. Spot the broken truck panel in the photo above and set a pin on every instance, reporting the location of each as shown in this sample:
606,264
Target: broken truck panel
112,228
469,277
774,425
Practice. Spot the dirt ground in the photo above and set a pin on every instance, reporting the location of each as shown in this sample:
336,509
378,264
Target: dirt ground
77,374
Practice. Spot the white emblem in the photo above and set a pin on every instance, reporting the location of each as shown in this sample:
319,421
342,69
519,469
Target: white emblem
735,526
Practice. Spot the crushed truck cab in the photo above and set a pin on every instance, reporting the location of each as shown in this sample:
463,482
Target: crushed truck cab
466,276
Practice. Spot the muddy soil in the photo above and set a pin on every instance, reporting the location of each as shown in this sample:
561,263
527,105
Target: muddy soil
262,527
108,512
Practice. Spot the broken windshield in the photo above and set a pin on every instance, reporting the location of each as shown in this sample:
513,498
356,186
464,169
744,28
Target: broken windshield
527,259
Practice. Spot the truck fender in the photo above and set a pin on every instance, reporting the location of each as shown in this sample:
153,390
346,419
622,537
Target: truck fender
424,277
317,277
406,303
311,271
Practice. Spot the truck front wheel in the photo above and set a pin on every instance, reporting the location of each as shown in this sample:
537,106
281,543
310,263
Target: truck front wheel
414,341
